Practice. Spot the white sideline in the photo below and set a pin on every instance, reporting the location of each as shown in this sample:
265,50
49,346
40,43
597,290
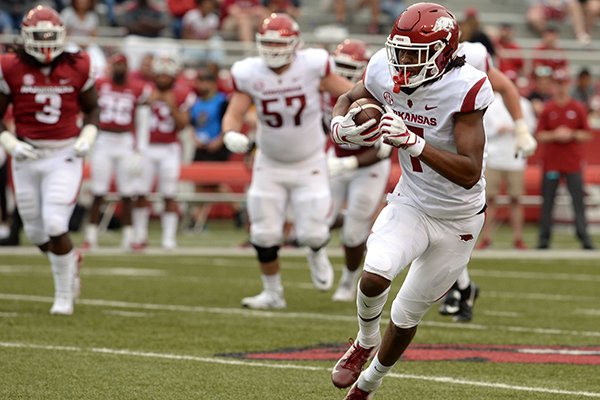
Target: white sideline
216,360
291,315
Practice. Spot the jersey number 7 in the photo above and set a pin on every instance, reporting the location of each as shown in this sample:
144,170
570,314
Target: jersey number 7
274,119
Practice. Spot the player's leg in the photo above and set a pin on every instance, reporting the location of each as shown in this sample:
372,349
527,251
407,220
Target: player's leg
311,202
516,187
398,237
101,164
575,187
126,187
168,182
140,213
427,280
364,199
59,191
550,182
267,200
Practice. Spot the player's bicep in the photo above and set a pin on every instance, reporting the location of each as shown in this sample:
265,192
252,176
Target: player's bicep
469,135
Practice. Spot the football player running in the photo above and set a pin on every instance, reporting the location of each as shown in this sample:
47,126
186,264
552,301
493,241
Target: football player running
358,178
48,88
169,104
435,213
284,84
460,300
119,98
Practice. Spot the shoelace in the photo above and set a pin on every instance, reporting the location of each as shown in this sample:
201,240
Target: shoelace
356,356
357,394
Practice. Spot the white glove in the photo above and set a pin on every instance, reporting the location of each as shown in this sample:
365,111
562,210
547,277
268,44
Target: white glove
135,165
345,130
383,149
394,132
338,166
236,142
86,140
526,143
16,148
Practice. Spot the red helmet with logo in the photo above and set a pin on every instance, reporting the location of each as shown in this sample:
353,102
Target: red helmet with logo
43,33
422,42
351,58
277,40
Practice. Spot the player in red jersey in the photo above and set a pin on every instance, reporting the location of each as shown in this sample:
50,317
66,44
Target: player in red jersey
48,89
169,104
115,150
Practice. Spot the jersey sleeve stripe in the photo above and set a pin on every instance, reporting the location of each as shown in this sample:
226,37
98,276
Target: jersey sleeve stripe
327,67
468,104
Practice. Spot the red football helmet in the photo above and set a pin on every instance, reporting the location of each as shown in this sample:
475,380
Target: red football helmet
422,42
277,40
43,34
351,58
166,64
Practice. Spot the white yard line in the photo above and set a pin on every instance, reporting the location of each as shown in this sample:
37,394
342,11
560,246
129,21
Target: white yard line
292,315
283,366
590,312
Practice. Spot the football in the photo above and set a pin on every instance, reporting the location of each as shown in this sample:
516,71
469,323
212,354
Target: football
370,109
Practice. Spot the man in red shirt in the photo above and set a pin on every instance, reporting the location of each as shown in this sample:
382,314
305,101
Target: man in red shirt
48,89
562,128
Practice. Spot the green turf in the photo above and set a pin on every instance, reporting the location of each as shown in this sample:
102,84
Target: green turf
166,328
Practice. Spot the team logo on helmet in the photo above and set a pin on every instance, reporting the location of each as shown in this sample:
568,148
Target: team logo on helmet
443,24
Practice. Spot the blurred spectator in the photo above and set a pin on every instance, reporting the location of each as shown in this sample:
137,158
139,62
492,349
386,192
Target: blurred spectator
548,52
242,17
111,10
81,18
202,23
206,115
6,25
339,7
290,7
562,128
143,19
178,9
542,88
392,8
542,12
591,10
13,11
504,169
470,30
584,88
512,64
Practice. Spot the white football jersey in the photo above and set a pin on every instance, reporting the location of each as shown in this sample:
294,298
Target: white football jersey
288,105
476,55
429,112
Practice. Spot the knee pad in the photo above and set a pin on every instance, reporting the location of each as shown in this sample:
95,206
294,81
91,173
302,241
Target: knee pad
56,225
315,235
355,231
407,314
266,254
35,234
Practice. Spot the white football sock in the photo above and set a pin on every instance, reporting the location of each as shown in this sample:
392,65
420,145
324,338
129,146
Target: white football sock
371,379
140,218
349,278
127,237
369,311
464,280
272,283
63,270
169,228
91,234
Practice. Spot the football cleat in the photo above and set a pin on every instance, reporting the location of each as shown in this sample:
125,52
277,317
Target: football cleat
264,300
321,271
450,304
62,306
344,293
465,312
88,246
358,394
348,368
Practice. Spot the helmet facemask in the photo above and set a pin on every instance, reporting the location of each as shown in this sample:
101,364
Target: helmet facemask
425,54
349,68
45,41
276,50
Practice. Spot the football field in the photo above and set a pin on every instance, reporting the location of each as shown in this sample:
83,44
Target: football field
169,326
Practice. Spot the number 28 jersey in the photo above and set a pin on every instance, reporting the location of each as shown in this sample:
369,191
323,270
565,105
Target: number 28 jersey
288,105
429,112
46,99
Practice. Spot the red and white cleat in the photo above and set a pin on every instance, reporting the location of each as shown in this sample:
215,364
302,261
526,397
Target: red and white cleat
358,394
347,370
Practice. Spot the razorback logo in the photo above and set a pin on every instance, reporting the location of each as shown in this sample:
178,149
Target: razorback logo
465,237
443,24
